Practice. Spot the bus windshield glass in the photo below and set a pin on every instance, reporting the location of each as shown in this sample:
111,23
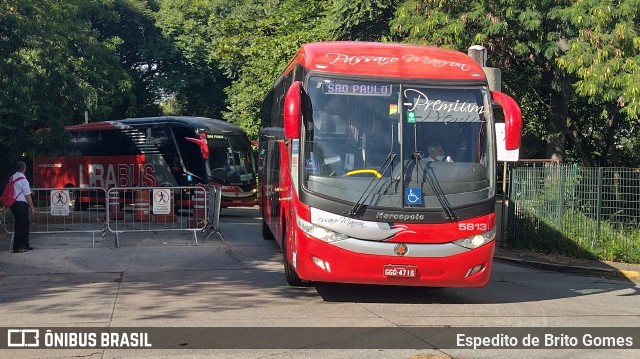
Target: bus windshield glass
231,160
398,145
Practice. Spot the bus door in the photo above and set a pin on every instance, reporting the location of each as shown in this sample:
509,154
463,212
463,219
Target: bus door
271,185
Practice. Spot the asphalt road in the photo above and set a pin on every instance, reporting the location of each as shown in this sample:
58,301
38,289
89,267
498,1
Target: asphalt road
236,280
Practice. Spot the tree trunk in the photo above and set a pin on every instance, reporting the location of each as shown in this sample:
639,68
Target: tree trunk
559,126
611,140
556,140
576,140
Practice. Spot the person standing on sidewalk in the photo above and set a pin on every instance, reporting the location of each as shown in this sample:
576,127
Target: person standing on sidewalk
21,209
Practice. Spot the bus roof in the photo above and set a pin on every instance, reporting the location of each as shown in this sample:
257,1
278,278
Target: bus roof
388,60
209,125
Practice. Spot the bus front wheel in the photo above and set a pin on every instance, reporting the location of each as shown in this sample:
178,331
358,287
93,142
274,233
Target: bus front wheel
289,272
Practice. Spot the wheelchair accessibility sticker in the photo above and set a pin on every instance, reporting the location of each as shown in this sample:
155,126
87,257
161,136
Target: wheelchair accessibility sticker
412,196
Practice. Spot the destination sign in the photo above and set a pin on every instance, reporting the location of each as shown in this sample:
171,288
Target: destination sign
217,137
357,88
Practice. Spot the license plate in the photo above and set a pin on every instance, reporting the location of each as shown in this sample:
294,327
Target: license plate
404,271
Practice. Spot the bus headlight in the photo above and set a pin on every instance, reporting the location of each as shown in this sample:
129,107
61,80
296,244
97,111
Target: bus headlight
320,233
477,240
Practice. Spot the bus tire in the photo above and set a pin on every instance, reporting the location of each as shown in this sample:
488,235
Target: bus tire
292,276
289,272
266,232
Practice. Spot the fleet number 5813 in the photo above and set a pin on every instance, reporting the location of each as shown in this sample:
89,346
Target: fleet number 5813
472,226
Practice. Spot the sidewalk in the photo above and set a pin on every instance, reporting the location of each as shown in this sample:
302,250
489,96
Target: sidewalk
560,263
566,264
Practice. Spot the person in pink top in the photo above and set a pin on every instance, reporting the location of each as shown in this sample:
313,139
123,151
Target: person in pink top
21,209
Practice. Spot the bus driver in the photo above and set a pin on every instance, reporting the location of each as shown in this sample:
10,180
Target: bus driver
436,153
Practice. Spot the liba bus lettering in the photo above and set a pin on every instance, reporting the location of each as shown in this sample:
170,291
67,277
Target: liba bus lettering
378,165
173,151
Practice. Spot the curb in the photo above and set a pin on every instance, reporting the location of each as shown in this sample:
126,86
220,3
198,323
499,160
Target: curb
631,275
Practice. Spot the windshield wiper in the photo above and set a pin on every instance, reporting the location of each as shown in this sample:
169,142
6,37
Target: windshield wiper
365,194
430,177
429,174
415,160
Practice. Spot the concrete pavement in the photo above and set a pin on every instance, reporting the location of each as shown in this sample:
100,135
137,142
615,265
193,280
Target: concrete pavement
570,265
164,280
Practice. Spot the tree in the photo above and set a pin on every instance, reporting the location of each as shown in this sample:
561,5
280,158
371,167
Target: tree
537,44
191,79
250,41
256,39
604,54
53,68
521,38
363,20
142,50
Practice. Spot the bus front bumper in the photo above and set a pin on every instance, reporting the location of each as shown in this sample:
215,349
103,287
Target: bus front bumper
238,202
324,262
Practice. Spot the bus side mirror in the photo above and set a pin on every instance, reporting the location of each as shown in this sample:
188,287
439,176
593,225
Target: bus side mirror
293,110
202,143
512,119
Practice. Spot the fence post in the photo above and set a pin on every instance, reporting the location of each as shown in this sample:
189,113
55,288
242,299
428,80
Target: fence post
511,204
561,196
598,207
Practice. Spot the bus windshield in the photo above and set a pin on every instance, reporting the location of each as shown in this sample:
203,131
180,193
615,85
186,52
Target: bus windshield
231,160
397,145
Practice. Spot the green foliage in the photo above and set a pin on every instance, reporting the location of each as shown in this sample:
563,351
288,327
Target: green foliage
605,51
363,20
604,55
521,39
140,48
58,68
573,67
541,233
576,212
189,78
255,42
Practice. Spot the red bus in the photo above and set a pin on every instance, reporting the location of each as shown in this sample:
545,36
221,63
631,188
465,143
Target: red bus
346,183
172,151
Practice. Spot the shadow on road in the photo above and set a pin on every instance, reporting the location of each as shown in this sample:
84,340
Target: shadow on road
240,273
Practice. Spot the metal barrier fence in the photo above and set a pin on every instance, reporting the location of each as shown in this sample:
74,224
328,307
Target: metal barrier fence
214,200
59,210
119,210
137,209
575,210
505,168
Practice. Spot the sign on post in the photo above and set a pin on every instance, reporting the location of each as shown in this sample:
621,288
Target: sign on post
59,202
501,147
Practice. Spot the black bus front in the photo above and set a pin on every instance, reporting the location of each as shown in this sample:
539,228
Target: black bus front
232,167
